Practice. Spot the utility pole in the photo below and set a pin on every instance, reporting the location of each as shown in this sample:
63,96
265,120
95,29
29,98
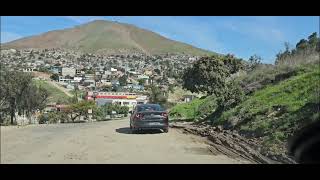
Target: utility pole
94,77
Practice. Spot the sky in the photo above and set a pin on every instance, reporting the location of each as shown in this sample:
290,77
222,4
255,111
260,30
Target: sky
242,36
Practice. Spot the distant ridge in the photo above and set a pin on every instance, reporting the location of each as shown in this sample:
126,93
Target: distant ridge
106,37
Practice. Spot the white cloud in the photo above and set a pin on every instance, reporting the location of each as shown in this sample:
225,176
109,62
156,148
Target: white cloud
9,36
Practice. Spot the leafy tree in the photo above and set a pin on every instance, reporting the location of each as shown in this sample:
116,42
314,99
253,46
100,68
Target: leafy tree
156,96
123,80
210,75
53,117
231,63
313,40
54,77
254,61
206,75
171,88
302,45
19,94
141,81
81,109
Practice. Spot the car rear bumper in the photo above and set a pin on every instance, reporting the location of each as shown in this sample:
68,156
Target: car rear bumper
150,125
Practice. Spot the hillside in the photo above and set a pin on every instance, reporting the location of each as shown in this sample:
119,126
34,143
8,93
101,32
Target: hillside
55,94
275,112
106,37
269,116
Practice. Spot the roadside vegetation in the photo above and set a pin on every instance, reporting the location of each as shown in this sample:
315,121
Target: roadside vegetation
19,96
262,101
56,95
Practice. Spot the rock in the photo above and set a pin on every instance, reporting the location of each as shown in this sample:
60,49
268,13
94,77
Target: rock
214,139
219,128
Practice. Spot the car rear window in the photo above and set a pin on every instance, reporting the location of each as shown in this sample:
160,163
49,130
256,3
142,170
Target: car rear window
150,108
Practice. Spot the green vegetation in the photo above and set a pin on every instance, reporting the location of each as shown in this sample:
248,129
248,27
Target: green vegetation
19,95
78,93
54,77
269,102
53,117
186,110
277,111
82,109
156,96
194,109
213,75
302,52
56,95
108,108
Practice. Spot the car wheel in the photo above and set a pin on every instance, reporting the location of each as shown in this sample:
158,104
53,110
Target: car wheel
166,130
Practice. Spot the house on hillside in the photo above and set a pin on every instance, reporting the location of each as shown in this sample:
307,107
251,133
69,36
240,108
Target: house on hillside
68,71
188,98
56,69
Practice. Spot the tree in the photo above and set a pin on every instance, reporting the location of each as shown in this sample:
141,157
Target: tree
254,61
212,76
171,88
141,82
313,39
302,45
20,94
54,77
81,109
156,96
232,64
123,80
206,75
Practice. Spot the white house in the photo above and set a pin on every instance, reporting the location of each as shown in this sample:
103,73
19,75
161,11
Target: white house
68,71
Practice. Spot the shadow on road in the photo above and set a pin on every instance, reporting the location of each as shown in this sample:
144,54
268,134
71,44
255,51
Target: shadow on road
127,130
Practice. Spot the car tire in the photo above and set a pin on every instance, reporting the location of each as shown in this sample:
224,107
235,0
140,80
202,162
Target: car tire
166,130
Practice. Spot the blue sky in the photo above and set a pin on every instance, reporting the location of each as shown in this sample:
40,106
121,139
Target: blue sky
239,35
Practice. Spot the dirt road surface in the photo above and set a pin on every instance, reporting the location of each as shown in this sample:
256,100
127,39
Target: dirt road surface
103,142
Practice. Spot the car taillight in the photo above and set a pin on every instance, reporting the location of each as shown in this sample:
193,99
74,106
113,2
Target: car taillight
138,116
164,114
166,119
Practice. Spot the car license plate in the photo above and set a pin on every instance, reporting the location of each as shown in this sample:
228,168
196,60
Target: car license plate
154,123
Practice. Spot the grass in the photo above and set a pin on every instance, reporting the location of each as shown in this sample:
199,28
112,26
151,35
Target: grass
193,109
55,94
277,111
186,110
81,93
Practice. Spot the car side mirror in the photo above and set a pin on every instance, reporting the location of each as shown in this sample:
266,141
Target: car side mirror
130,112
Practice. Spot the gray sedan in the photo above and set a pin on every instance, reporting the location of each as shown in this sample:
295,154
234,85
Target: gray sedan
149,116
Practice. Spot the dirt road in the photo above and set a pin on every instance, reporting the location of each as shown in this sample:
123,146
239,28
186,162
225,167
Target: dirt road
103,142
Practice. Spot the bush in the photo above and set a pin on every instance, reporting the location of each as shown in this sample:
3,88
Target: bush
108,108
53,117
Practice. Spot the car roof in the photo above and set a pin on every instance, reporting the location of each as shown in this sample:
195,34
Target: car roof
148,105
141,105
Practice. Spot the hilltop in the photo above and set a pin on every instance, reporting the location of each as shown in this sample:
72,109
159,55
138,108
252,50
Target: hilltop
106,37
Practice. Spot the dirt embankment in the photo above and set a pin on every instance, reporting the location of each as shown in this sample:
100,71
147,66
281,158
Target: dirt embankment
232,144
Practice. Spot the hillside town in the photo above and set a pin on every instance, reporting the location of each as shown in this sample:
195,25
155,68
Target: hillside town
113,79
